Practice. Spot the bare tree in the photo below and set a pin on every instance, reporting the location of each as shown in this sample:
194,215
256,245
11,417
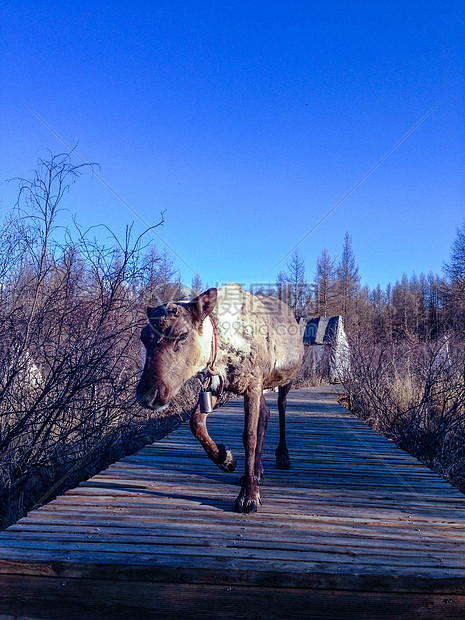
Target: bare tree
298,287
348,282
282,287
160,280
455,267
324,284
197,285
455,270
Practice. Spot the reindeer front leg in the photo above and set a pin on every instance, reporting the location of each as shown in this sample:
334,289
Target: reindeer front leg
216,452
249,497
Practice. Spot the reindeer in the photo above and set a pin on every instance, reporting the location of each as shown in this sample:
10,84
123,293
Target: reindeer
238,342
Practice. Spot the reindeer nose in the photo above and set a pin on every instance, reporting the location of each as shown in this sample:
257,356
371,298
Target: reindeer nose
147,400
163,396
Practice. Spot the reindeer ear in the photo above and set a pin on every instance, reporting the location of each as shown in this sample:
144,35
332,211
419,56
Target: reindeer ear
151,312
204,304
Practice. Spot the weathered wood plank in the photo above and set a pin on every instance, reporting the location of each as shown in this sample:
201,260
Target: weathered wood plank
377,531
220,570
91,600
320,526
207,501
370,549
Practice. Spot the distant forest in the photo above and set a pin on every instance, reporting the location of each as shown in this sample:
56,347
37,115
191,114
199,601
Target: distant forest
421,306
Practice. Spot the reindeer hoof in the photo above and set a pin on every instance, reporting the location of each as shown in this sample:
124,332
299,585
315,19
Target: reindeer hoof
282,458
283,463
245,505
227,461
247,502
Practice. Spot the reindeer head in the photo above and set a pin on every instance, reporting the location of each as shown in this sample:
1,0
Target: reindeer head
177,348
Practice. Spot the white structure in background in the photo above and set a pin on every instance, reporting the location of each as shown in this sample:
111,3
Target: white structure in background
32,372
28,373
326,350
442,361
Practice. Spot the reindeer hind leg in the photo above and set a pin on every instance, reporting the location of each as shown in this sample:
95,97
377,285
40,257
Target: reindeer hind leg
261,433
282,454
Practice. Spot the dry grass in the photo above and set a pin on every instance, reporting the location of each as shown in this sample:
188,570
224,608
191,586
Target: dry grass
414,393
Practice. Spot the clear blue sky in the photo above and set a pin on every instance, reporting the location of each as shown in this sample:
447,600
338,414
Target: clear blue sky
247,122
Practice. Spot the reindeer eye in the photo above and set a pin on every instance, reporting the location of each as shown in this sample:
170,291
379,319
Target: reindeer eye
183,337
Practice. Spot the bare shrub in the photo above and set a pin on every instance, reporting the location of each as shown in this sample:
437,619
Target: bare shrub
414,393
70,319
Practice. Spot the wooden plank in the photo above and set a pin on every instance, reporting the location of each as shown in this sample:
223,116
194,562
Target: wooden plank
86,599
235,538
370,547
319,530
366,471
324,530
239,571
430,554
135,488
204,499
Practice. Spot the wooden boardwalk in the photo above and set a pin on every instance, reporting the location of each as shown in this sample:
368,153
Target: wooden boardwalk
356,529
